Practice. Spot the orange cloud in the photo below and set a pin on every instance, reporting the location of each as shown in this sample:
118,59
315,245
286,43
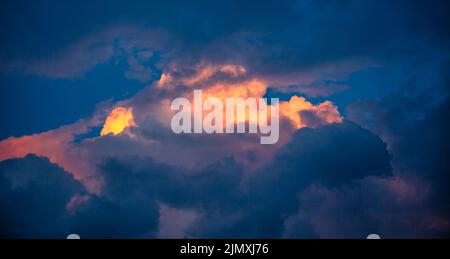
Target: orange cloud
250,88
207,72
325,112
57,146
165,79
292,109
118,120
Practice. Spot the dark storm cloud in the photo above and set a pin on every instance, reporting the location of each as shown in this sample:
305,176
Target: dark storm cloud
233,204
333,181
348,153
34,195
228,202
418,135
124,218
331,156
40,200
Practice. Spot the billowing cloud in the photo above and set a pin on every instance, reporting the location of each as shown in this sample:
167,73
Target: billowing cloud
298,194
150,109
302,113
34,197
363,132
220,187
417,136
232,81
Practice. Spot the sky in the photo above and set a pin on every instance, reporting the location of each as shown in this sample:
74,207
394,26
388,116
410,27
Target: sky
86,145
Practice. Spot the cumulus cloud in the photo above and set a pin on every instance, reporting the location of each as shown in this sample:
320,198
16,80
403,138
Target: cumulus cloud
333,156
327,176
391,206
41,200
146,118
417,136
34,197
220,190
57,146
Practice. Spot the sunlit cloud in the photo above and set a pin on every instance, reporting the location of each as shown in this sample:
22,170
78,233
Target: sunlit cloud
326,111
57,145
117,121
153,103
229,86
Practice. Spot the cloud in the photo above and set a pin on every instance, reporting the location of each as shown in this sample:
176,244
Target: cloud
227,81
174,222
231,203
41,200
148,131
34,197
137,46
350,153
117,121
417,136
302,113
392,207
57,146
332,181
332,156
327,177
73,61
321,90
